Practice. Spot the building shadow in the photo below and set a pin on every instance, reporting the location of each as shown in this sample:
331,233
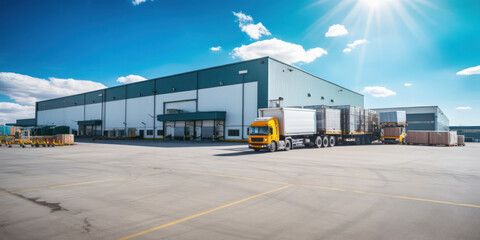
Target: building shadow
160,143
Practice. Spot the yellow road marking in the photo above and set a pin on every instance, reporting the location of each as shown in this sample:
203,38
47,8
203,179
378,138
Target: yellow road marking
331,188
77,184
202,213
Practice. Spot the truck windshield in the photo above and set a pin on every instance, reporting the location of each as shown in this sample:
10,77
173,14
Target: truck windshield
258,130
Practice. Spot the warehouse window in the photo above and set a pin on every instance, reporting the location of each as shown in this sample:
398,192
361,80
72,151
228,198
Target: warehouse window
233,132
159,132
149,132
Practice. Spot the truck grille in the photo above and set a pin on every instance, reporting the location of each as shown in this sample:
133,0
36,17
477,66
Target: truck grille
257,139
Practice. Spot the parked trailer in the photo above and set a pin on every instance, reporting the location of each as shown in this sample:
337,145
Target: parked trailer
359,125
312,126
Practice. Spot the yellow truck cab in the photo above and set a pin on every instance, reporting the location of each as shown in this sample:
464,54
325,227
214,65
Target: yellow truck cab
393,134
263,133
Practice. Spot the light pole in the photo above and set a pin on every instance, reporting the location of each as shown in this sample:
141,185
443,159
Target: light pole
243,73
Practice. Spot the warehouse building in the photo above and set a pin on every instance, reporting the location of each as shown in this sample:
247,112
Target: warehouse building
428,118
218,102
471,133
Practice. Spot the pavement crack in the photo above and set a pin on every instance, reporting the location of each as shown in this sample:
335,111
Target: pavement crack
53,206
86,225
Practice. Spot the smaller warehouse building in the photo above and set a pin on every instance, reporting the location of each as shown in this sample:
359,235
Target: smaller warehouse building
471,133
427,118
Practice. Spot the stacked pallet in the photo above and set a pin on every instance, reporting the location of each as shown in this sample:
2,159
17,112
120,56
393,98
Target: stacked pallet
417,137
66,139
445,138
448,138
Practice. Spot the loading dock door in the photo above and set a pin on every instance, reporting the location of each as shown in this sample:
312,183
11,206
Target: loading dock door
207,129
179,130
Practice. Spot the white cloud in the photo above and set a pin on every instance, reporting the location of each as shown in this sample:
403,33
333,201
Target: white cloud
246,24
130,79
376,91
407,84
10,112
356,43
255,31
351,46
215,49
470,71
27,90
137,2
285,51
336,30
243,18
464,108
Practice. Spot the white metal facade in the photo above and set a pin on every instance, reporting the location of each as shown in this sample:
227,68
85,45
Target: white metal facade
217,90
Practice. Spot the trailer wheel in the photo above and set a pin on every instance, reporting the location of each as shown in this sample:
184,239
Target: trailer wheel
325,141
288,145
272,147
318,142
331,142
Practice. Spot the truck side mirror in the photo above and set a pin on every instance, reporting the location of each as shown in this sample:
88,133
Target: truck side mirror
248,131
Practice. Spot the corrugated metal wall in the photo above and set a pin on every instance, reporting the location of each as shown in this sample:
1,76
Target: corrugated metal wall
299,88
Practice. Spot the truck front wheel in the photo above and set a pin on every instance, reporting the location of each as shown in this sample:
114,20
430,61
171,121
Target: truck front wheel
288,145
272,147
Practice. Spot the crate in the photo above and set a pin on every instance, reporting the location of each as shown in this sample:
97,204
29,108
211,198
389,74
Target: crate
66,139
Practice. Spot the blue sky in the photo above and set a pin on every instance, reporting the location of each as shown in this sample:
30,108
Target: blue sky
53,45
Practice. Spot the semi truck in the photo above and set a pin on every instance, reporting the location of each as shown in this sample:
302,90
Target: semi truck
393,127
311,126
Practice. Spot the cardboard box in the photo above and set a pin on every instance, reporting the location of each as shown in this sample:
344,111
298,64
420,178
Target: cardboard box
448,138
65,139
418,137
392,132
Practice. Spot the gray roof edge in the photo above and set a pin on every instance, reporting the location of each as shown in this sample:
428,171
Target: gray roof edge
153,79
311,74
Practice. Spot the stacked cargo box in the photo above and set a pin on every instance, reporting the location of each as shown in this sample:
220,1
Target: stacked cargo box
328,121
371,119
395,117
418,137
352,119
392,132
66,139
446,138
